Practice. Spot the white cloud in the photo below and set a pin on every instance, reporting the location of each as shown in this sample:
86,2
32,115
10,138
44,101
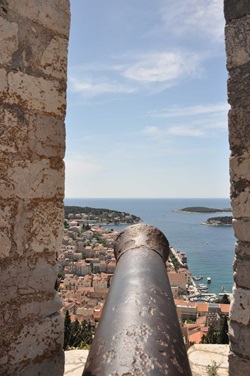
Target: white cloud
218,108
176,130
163,66
150,73
200,121
88,86
194,17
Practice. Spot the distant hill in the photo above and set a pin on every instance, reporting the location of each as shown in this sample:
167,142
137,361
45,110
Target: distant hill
219,221
103,214
202,209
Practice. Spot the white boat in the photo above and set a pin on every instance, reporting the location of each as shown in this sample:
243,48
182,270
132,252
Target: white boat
197,277
209,279
202,286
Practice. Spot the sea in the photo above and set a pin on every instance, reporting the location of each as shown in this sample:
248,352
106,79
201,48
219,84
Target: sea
209,249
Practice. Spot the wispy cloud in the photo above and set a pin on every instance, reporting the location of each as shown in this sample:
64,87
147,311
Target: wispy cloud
163,67
88,86
177,130
200,121
191,111
147,73
202,18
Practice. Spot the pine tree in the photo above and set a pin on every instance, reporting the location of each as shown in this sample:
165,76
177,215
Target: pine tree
67,330
224,331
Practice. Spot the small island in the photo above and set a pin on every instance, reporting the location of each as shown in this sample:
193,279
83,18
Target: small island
202,209
219,221
100,216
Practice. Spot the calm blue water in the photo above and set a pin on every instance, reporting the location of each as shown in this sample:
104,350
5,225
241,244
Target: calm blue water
210,250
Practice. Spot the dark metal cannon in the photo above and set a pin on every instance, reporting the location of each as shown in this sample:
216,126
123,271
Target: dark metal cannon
139,333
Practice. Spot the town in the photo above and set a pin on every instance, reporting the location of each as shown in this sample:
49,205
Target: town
86,267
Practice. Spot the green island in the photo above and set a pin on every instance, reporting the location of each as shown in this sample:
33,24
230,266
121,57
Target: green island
202,209
219,221
100,216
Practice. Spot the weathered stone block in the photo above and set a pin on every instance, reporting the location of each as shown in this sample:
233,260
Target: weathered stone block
47,225
46,136
241,298
240,166
236,9
45,178
238,42
41,308
13,130
239,130
54,58
9,40
240,185
39,228
242,249
34,274
238,366
241,203
240,338
241,274
36,93
7,213
5,244
36,341
54,15
239,86
3,83
242,229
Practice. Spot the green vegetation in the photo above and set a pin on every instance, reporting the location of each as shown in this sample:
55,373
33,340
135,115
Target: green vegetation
76,334
220,221
223,300
202,209
104,215
212,369
217,336
175,261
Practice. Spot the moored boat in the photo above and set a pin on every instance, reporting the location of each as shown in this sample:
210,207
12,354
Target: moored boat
209,279
197,277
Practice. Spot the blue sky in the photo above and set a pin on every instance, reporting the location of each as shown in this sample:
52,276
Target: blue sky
146,99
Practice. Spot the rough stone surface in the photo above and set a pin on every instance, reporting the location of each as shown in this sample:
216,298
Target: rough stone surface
238,42
241,272
242,300
237,14
241,229
53,15
202,356
36,93
33,65
239,339
8,40
236,9
74,362
238,364
239,130
44,177
242,250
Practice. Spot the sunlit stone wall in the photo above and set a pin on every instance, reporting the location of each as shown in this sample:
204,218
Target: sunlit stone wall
237,14
33,60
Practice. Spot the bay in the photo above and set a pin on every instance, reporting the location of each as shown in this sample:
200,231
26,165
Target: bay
209,249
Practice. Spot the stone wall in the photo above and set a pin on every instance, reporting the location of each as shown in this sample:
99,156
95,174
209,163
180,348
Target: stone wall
33,60
237,14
